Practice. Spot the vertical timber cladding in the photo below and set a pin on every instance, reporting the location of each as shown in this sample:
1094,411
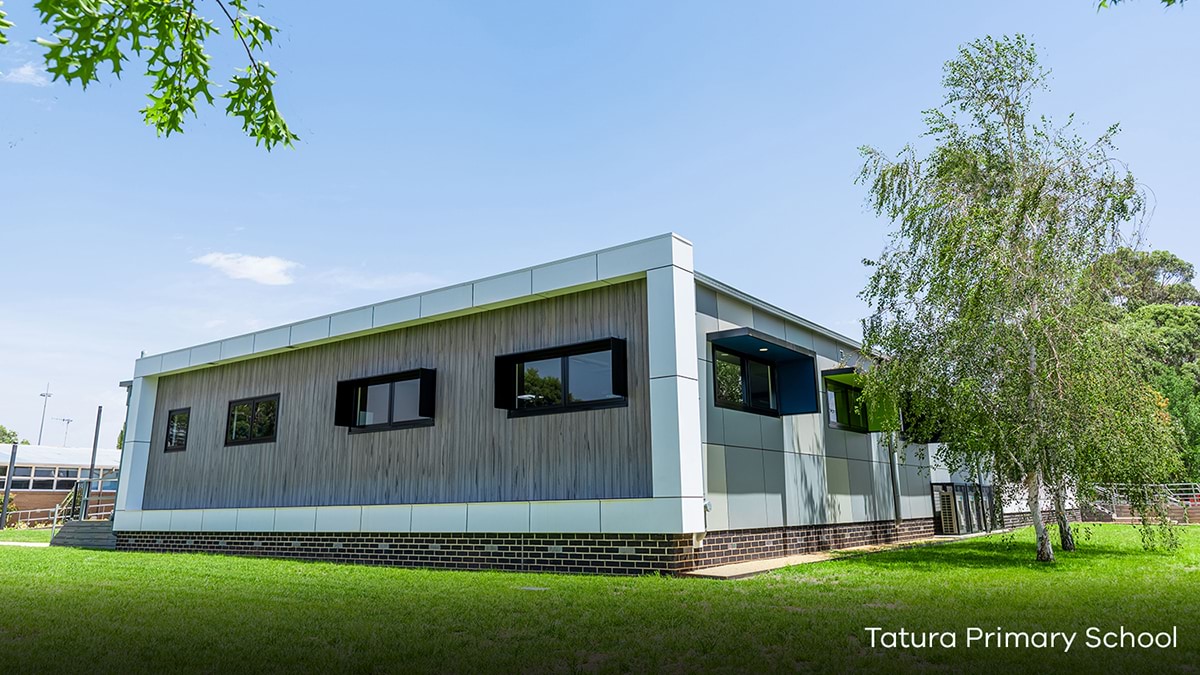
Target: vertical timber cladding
473,452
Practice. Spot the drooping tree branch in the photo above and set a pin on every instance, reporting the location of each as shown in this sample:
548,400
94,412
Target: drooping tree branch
170,39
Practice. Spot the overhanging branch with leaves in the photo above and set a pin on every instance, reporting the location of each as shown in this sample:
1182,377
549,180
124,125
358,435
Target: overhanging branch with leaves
169,37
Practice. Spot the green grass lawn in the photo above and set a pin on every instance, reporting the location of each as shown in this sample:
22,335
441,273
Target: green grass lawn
172,612
40,536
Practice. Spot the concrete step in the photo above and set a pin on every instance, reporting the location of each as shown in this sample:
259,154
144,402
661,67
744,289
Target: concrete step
90,534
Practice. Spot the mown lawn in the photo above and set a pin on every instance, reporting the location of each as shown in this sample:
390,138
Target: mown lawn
40,536
155,613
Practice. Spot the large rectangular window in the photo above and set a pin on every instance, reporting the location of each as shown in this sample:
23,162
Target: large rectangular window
396,401
845,411
744,383
252,420
177,429
582,376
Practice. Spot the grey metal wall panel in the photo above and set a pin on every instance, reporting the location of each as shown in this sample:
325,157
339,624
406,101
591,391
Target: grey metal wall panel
772,432
882,504
804,434
835,442
810,496
837,480
718,517
741,428
775,488
746,487
706,301
861,490
473,453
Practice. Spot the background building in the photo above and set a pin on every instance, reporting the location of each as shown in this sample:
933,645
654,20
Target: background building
44,475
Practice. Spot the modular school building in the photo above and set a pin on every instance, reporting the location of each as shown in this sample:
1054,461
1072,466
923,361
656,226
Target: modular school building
613,412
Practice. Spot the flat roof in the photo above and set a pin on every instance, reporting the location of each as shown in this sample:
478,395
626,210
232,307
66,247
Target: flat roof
49,455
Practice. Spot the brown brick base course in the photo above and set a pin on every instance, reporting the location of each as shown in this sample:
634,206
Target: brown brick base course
733,546
526,552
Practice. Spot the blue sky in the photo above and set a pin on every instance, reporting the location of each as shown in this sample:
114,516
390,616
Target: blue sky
445,141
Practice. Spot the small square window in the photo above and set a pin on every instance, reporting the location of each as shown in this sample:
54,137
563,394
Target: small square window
177,429
43,484
252,420
44,472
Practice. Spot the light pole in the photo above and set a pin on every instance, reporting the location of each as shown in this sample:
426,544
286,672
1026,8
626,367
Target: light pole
45,399
68,420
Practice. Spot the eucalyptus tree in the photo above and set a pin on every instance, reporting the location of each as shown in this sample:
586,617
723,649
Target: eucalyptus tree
1167,338
1132,278
168,38
986,322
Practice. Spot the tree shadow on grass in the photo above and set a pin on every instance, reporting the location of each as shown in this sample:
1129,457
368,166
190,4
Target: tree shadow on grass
995,553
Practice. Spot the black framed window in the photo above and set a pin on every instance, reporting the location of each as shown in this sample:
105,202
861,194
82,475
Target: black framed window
252,420
583,376
843,407
744,383
177,429
396,401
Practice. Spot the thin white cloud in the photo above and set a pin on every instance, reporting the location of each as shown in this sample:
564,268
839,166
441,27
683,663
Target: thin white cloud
30,74
405,281
269,270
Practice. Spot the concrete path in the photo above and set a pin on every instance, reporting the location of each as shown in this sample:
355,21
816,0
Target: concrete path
26,544
753,567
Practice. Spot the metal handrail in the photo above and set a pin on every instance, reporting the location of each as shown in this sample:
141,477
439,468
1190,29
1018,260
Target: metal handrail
54,516
1176,494
73,502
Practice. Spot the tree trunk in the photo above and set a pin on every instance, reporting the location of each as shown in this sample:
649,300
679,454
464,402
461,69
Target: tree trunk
1066,538
1045,552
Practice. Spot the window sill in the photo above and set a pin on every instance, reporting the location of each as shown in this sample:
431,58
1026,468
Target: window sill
575,407
253,441
843,427
174,449
375,428
767,412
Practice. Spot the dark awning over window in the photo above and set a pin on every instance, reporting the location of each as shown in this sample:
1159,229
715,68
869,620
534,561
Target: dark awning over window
795,366
853,377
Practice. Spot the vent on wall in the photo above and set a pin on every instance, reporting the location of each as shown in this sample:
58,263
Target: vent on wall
947,509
